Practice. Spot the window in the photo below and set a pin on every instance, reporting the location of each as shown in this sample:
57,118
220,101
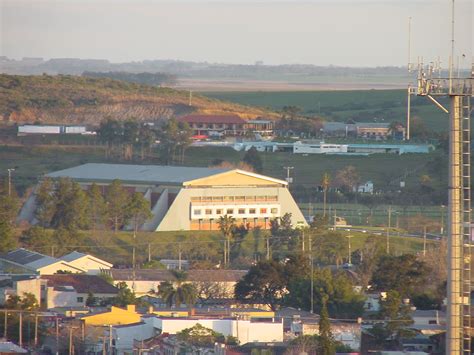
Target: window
197,212
274,210
241,210
230,211
80,299
263,210
208,211
252,211
219,211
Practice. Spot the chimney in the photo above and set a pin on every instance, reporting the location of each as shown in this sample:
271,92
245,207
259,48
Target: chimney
131,308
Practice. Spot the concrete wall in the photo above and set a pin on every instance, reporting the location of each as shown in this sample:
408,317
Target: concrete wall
61,298
125,335
178,216
245,330
91,266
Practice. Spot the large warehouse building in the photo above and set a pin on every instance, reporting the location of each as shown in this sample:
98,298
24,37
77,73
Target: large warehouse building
188,198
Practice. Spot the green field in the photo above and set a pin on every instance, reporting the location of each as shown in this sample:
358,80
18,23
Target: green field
385,170
362,105
117,247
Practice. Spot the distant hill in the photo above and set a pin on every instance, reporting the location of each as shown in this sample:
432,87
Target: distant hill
71,99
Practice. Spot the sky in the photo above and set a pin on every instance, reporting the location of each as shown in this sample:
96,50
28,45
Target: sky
357,33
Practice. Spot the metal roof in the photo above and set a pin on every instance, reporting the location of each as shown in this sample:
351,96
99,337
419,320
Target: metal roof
153,174
29,258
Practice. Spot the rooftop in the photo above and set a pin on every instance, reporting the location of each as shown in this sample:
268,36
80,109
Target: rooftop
152,174
81,283
28,258
229,119
166,275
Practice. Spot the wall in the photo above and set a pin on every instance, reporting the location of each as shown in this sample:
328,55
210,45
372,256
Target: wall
61,298
124,336
32,286
54,268
90,265
245,330
115,316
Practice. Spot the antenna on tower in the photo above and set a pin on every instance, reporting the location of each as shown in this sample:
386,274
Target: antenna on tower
460,245
409,90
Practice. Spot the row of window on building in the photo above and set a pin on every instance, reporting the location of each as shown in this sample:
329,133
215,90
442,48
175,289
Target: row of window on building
233,198
230,211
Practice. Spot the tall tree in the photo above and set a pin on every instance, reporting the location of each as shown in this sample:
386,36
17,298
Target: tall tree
138,210
226,226
178,292
116,198
7,237
97,207
71,205
325,183
347,178
326,338
264,282
45,201
36,238
252,158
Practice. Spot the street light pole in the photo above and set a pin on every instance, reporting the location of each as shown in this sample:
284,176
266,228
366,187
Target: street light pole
350,250
10,170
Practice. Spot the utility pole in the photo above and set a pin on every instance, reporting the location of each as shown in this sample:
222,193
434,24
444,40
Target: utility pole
57,335
407,128
310,247
268,247
36,329
388,229
302,240
149,253
179,256
289,180
5,324
20,339
424,241
10,170
110,340
70,340
350,249
190,97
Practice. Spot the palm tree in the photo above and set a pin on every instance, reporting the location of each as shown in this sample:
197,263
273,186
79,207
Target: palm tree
178,292
226,226
325,182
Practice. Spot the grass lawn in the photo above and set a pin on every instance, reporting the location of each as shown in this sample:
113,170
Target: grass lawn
363,105
117,247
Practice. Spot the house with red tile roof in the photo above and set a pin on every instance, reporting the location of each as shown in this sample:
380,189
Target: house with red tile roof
205,125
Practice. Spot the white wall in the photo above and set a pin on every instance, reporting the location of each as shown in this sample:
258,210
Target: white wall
61,298
91,266
244,330
124,336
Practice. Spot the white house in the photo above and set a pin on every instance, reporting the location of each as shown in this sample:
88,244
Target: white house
18,285
366,188
71,290
27,261
90,263
268,330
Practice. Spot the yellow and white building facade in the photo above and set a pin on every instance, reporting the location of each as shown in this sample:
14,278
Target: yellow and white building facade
190,198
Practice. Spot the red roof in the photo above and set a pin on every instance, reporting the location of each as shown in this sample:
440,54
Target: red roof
228,119
82,283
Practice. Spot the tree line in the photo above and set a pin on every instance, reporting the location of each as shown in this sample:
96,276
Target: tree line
124,139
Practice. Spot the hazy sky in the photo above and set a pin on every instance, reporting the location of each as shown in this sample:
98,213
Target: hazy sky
321,32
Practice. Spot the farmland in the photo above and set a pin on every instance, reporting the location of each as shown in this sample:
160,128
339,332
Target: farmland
360,105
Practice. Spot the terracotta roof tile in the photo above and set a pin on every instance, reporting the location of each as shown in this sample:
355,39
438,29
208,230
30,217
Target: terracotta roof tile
229,119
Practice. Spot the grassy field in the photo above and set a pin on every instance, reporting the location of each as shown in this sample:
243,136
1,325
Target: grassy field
383,169
362,105
117,247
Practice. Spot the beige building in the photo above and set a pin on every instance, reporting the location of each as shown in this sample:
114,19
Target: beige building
90,263
190,198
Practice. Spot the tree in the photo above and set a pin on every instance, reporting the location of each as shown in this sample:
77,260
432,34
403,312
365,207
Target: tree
396,314
347,178
125,296
326,338
27,303
91,300
36,238
7,236
45,202
238,236
97,207
200,336
404,274
178,292
226,226
370,254
116,199
174,138
71,205
253,159
138,210
325,183
264,282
